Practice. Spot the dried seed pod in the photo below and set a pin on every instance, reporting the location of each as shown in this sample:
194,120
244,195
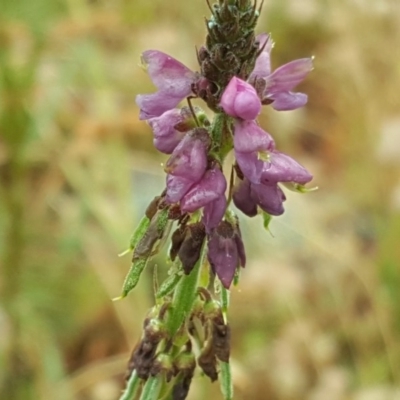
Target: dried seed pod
143,356
207,360
184,365
154,232
221,338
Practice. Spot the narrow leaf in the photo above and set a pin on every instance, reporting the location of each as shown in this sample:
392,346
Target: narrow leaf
152,388
132,387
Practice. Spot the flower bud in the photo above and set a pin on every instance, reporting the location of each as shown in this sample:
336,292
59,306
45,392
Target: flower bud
166,137
190,249
240,100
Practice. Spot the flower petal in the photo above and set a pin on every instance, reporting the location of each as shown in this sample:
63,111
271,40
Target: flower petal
250,137
155,104
214,212
250,165
262,68
172,79
289,75
189,158
223,254
242,198
285,101
210,188
177,187
167,73
166,137
283,168
240,100
269,197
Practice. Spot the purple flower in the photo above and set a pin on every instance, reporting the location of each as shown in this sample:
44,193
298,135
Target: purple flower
260,162
251,143
282,168
226,252
209,189
166,137
262,67
213,212
268,196
240,100
242,198
277,86
172,79
187,164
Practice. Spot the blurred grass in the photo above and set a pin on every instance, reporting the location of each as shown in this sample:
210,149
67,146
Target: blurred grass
317,314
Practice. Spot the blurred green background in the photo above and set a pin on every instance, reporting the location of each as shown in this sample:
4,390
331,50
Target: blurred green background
317,313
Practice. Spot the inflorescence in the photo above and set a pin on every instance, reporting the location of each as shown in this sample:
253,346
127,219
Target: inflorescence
234,80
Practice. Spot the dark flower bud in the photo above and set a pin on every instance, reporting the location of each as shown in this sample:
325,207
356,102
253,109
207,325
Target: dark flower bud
176,239
190,249
221,337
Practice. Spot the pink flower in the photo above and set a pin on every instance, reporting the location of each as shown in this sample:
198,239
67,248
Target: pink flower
172,79
240,100
209,193
278,85
187,164
166,137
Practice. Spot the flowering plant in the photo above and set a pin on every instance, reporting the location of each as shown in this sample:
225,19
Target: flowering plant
188,326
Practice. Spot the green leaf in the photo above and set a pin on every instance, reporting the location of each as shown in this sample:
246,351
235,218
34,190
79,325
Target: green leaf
296,187
267,218
132,387
152,388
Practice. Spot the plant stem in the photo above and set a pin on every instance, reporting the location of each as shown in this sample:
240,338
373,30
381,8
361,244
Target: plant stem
226,381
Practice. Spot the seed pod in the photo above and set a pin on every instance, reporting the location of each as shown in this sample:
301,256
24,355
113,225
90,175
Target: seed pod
221,337
153,207
133,276
143,356
154,232
168,285
207,360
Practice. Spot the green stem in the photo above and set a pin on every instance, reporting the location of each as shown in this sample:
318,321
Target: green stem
226,381
225,302
184,297
132,387
221,136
